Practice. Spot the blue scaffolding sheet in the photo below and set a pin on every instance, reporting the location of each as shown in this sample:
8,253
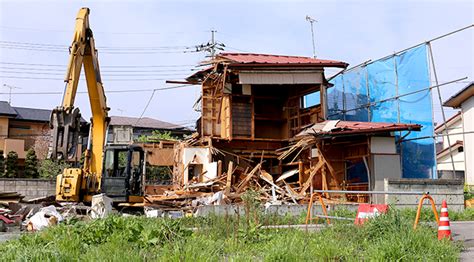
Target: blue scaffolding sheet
376,92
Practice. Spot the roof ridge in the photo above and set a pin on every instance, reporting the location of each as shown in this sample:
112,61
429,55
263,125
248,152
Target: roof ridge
265,54
15,107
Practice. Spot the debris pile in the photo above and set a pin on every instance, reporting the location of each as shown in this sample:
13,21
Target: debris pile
228,188
10,197
38,213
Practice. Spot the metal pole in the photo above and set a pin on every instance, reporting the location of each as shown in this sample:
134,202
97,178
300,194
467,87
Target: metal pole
381,192
311,21
442,109
431,40
417,45
213,44
406,94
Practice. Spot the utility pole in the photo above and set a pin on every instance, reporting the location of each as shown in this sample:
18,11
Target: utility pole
213,43
10,92
211,47
311,21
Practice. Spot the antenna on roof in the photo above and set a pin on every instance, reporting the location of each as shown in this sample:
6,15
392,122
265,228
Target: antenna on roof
311,21
10,92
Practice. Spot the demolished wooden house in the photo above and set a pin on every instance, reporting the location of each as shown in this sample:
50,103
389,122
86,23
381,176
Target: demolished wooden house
264,123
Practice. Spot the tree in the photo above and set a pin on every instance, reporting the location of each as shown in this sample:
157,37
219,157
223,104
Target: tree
31,164
2,164
11,165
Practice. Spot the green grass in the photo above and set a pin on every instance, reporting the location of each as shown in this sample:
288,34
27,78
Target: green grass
389,237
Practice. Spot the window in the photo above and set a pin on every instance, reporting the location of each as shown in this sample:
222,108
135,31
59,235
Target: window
116,163
311,99
20,127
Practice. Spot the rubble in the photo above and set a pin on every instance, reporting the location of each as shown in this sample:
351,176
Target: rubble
46,216
10,197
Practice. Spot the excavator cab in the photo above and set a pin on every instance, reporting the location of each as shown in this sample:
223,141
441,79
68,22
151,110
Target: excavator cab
122,172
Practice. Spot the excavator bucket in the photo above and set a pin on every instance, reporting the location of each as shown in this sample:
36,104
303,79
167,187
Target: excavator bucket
66,126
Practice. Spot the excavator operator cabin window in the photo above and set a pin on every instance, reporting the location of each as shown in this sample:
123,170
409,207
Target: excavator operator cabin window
116,163
137,163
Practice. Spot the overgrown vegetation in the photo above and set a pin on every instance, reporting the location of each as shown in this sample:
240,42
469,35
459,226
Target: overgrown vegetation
155,136
11,164
50,169
31,164
468,192
390,237
159,174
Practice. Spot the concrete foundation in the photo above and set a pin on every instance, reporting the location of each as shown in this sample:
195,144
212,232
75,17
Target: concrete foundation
280,210
29,187
452,191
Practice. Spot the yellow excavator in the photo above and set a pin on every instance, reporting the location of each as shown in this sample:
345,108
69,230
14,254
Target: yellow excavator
115,170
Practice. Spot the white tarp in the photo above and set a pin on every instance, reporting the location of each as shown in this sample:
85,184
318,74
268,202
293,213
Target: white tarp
47,216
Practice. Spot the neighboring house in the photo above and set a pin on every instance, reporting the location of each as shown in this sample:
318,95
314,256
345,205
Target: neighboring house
464,100
128,129
24,128
453,148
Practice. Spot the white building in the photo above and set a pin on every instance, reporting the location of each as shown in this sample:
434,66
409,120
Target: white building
464,100
453,126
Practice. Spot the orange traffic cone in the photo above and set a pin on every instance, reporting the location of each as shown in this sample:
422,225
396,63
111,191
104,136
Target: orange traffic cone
444,230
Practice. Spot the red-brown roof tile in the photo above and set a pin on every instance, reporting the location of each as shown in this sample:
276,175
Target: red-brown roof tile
453,147
266,59
440,127
341,128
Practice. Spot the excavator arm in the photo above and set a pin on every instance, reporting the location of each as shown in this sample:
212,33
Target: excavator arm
65,119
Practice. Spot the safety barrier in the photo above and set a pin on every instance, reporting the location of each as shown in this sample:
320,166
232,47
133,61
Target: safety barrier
309,214
318,194
420,204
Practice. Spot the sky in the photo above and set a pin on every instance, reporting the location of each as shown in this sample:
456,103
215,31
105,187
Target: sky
143,43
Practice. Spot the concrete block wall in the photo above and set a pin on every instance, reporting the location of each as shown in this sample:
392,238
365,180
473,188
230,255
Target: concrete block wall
451,190
29,187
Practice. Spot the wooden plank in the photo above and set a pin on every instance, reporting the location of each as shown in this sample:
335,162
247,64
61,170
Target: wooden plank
228,184
309,181
266,176
219,168
247,178
300,173
252,127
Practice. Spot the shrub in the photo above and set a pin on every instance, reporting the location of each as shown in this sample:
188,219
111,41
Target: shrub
2,164
50,169
155,136
31,164
11,169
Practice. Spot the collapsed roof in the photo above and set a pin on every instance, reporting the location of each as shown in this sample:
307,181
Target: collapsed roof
336,128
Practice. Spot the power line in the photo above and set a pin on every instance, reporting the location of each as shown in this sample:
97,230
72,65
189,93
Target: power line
56,46
103,71
146,107
109,91
65,50
104,75
102,66
107,80
96,32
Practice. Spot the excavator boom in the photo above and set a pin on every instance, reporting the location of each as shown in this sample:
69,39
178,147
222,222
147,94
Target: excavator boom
65,119
103,170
